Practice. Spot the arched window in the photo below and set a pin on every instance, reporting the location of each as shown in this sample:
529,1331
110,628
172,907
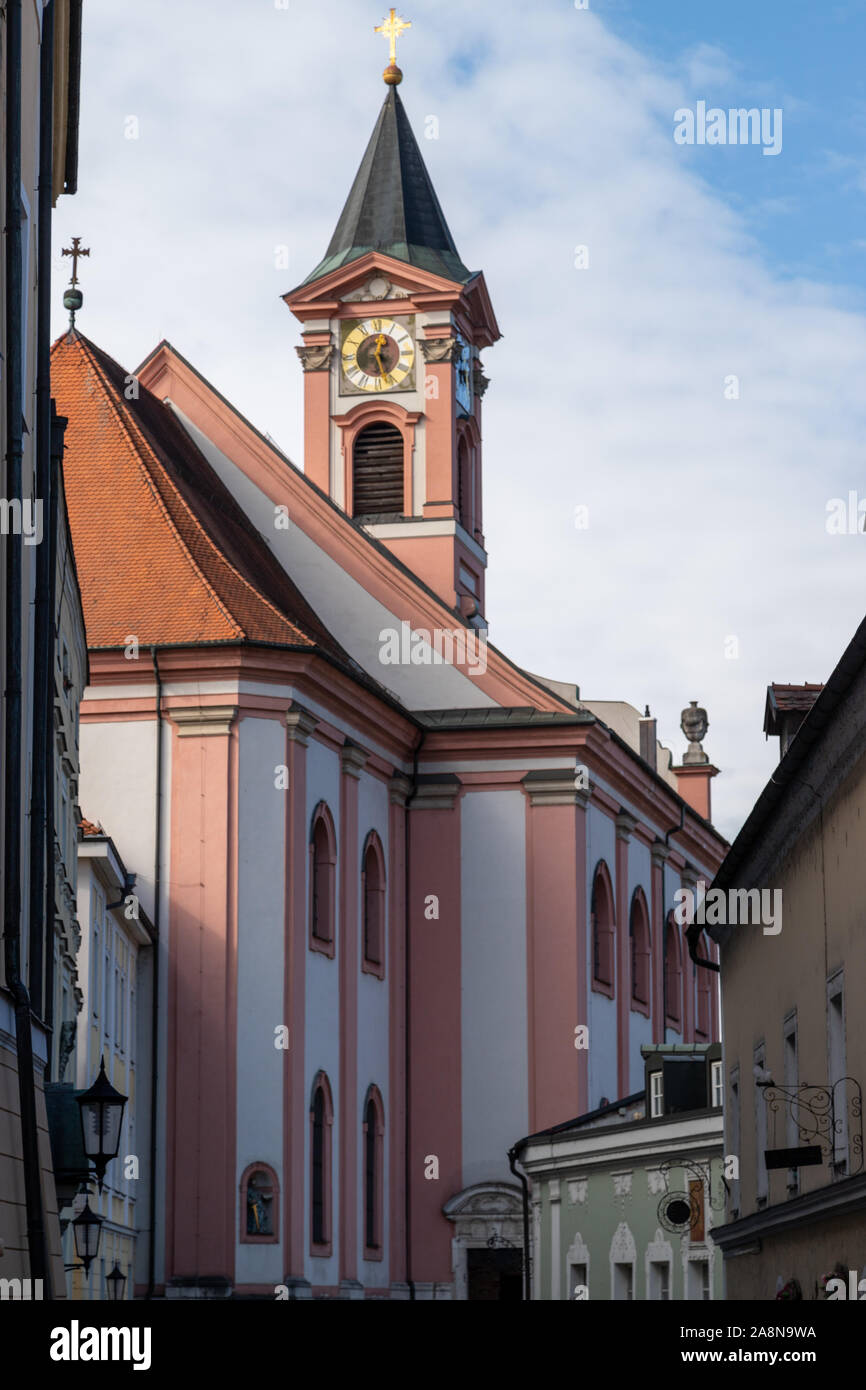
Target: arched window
323,873
377,471
603,928
641,953
673,975
373,903
321,1125
374,1176
259,1205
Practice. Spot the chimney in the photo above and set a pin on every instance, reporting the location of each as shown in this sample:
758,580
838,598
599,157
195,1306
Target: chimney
648,740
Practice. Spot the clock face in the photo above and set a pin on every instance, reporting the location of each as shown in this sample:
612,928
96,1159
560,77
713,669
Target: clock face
378,355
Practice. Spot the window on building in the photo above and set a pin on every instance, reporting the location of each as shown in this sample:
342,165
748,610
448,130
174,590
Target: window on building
603,929
373,900
323,862
659,1280
641,953
578,1280
703,985
374,1130
762,1180
623,1281
657,1096
321,1123
717,1085
464,484
734,1138
377,471
673,976
791,1072
698,1280
836,1058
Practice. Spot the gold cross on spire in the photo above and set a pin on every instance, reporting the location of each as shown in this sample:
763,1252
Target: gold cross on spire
391,29
75,250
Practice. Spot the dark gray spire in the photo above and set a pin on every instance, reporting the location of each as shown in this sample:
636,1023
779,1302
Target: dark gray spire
393,206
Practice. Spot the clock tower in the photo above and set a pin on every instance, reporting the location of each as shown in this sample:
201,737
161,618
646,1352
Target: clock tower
393,328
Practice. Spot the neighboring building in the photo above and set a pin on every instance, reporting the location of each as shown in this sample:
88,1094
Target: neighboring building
794,1028
39,82
352,818
115,1026
624,1199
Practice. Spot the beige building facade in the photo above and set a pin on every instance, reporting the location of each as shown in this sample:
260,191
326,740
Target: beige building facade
793,1024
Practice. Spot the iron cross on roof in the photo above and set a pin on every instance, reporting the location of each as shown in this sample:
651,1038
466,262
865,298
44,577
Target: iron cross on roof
391,29
75,250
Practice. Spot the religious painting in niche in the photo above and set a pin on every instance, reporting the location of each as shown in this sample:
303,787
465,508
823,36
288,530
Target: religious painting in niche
260,1202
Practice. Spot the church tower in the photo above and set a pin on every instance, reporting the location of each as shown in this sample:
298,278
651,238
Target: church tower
393,327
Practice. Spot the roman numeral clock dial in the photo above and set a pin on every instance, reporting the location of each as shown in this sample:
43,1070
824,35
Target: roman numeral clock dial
377,355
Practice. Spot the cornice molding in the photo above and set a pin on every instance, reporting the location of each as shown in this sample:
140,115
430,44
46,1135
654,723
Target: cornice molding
203,721
300,724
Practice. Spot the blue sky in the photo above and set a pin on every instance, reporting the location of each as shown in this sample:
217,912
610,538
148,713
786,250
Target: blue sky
807,205
707,512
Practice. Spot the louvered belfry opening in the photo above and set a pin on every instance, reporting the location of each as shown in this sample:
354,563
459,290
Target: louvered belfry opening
377,472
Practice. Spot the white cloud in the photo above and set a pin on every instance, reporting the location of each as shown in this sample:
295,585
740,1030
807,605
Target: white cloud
707,514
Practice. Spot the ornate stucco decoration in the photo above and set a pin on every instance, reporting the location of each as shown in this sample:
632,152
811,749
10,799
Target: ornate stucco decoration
441,349
316,359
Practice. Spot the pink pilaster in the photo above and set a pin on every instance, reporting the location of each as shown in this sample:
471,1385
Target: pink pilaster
202,963
624,826
395,1130
434,1021
299,725
659,854
352,761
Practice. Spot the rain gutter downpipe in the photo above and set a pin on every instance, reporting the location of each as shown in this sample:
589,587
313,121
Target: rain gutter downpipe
12,840
513,1156
154,1011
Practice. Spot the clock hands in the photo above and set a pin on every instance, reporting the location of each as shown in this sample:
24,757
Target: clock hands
381,340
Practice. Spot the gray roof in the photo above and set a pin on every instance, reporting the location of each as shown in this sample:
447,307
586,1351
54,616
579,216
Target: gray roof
393,206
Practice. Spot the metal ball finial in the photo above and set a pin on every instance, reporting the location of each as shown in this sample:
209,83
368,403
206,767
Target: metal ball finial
392,75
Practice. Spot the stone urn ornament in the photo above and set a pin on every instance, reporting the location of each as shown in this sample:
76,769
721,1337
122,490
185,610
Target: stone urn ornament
694,724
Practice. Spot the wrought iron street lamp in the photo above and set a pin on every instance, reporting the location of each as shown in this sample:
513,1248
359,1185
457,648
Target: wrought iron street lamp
87,1228
114,1282
101,1117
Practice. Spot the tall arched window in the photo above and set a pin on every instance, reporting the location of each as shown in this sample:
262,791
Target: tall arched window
641,953
377,471
673,975
321,1125
373,903
603,928
323,866
703,985
374,1175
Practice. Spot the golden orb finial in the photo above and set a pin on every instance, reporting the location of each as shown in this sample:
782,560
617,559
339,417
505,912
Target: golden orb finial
391,29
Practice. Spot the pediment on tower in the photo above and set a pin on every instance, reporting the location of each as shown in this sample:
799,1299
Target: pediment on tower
377,278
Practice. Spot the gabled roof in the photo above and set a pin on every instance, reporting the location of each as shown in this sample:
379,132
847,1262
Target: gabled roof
164,552
788,699
392,207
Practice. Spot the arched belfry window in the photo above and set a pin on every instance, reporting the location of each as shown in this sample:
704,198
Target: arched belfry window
373,905
673,977
374,1175
377,471
323,866
321,1126
639,942
603,928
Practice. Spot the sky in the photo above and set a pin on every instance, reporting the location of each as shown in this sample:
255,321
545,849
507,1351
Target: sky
677,399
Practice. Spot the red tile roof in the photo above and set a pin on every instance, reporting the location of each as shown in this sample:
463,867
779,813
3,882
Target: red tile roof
788,699
163,551
88,829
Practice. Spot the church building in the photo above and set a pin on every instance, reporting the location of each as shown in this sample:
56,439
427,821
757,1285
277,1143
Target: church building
411,902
